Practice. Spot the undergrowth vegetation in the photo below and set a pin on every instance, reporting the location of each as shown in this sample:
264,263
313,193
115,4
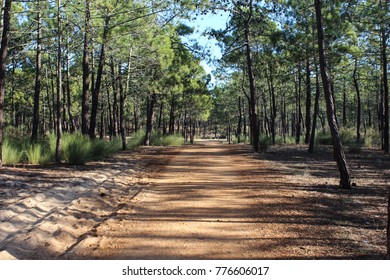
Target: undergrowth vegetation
76,149
157,139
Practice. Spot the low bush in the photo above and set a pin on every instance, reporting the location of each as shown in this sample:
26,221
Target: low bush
172,140
12,154
136,140
35,154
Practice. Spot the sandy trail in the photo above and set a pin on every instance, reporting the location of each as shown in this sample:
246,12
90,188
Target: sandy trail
193,208
208,201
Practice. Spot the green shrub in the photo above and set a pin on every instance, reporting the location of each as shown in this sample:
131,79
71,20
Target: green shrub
279,140
324,139
136,140
102,148
348,136
265,142
12,154
372,138
77,149
35,154
172,140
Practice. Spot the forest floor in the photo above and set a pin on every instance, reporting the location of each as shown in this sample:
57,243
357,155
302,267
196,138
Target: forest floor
207,201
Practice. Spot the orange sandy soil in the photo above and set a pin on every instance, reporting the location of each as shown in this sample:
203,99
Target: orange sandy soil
207,201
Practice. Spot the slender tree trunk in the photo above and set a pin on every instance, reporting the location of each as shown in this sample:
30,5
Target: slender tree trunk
49,105
149,121
239,125
386,134
122,100
298,108
308,99
172,117
3,64
72,123
115,99
345,104
37,91
315,115
273,104
96,90
86,70
59,83
252,85
345,177
359,104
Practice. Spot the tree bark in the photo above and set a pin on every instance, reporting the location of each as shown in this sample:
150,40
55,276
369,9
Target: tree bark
96,90
3,64
149,121
315,115
37,90
308,100
115,99
345,177
122,100
252,85
59,84
386,133
359,104
86,70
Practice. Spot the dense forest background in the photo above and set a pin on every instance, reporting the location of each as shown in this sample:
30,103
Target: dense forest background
292,72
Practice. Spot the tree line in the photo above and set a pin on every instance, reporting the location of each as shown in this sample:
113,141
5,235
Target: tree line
295,67
291,71
100,68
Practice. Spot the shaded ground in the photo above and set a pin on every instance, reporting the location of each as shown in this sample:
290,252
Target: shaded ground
209,201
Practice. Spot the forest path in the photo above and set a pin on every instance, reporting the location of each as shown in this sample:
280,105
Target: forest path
206,201
197,206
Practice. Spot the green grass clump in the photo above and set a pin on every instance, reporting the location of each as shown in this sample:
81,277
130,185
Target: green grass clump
279,140
102,148
35,154
12,154
324,139
372,138
136,140
172,140
77,149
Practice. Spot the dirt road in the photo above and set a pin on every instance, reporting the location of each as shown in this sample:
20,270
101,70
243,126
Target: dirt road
209,201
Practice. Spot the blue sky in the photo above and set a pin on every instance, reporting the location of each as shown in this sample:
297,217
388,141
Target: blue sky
202,24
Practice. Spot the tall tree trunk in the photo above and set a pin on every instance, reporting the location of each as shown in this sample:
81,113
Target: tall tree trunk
49,105
252,85
359,104
37,91
298,107
86,70
308,99
3,64
345,104
315,115
172,117
239,125
273,104
122,100
115,99
96,90
149,121
59,84
386,134
72,123
345,177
